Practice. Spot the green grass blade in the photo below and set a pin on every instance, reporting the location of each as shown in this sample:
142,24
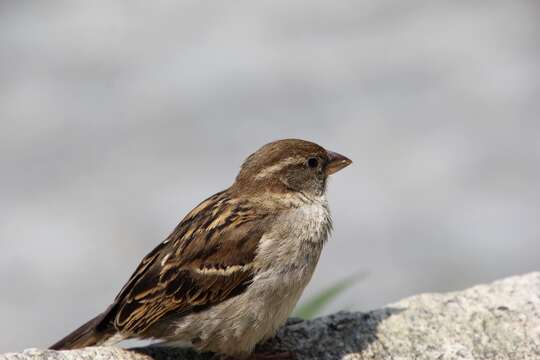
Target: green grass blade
315,305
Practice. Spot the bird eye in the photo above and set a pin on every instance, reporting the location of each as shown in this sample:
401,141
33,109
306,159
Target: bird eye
313,162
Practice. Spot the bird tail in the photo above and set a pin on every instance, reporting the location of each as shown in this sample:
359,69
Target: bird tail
86,335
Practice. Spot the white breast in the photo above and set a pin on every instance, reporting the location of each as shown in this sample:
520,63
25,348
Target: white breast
297,237
287,257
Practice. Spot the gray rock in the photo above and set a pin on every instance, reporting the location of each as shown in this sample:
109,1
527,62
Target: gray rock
496,321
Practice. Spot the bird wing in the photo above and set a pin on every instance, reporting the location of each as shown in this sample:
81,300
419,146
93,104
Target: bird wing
206,260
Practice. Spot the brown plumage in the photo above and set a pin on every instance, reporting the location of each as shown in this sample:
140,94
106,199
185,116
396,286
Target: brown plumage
182,273
211,257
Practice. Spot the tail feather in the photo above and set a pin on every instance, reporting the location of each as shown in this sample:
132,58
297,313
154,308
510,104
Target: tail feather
86,335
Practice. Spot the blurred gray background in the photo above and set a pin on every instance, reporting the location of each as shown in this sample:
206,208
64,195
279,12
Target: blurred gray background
117,117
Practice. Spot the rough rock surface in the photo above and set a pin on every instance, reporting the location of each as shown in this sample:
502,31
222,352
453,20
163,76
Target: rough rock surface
491,322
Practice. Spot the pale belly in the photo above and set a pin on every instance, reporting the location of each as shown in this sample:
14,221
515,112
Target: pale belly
235,326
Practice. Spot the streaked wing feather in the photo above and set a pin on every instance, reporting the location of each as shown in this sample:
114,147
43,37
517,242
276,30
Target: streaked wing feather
206,260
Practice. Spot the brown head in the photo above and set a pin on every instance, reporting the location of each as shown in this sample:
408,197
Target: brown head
290,165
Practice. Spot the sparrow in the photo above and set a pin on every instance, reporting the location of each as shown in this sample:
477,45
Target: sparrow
231,272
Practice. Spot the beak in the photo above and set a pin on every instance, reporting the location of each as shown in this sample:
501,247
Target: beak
336,162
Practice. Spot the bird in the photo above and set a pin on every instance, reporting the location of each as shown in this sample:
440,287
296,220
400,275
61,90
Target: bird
233,269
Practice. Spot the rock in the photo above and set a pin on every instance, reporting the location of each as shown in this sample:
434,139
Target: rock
492,322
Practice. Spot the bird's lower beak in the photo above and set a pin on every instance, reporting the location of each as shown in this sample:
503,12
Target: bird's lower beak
336,162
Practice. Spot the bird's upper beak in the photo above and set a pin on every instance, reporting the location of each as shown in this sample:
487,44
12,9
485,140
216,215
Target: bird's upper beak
336,162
